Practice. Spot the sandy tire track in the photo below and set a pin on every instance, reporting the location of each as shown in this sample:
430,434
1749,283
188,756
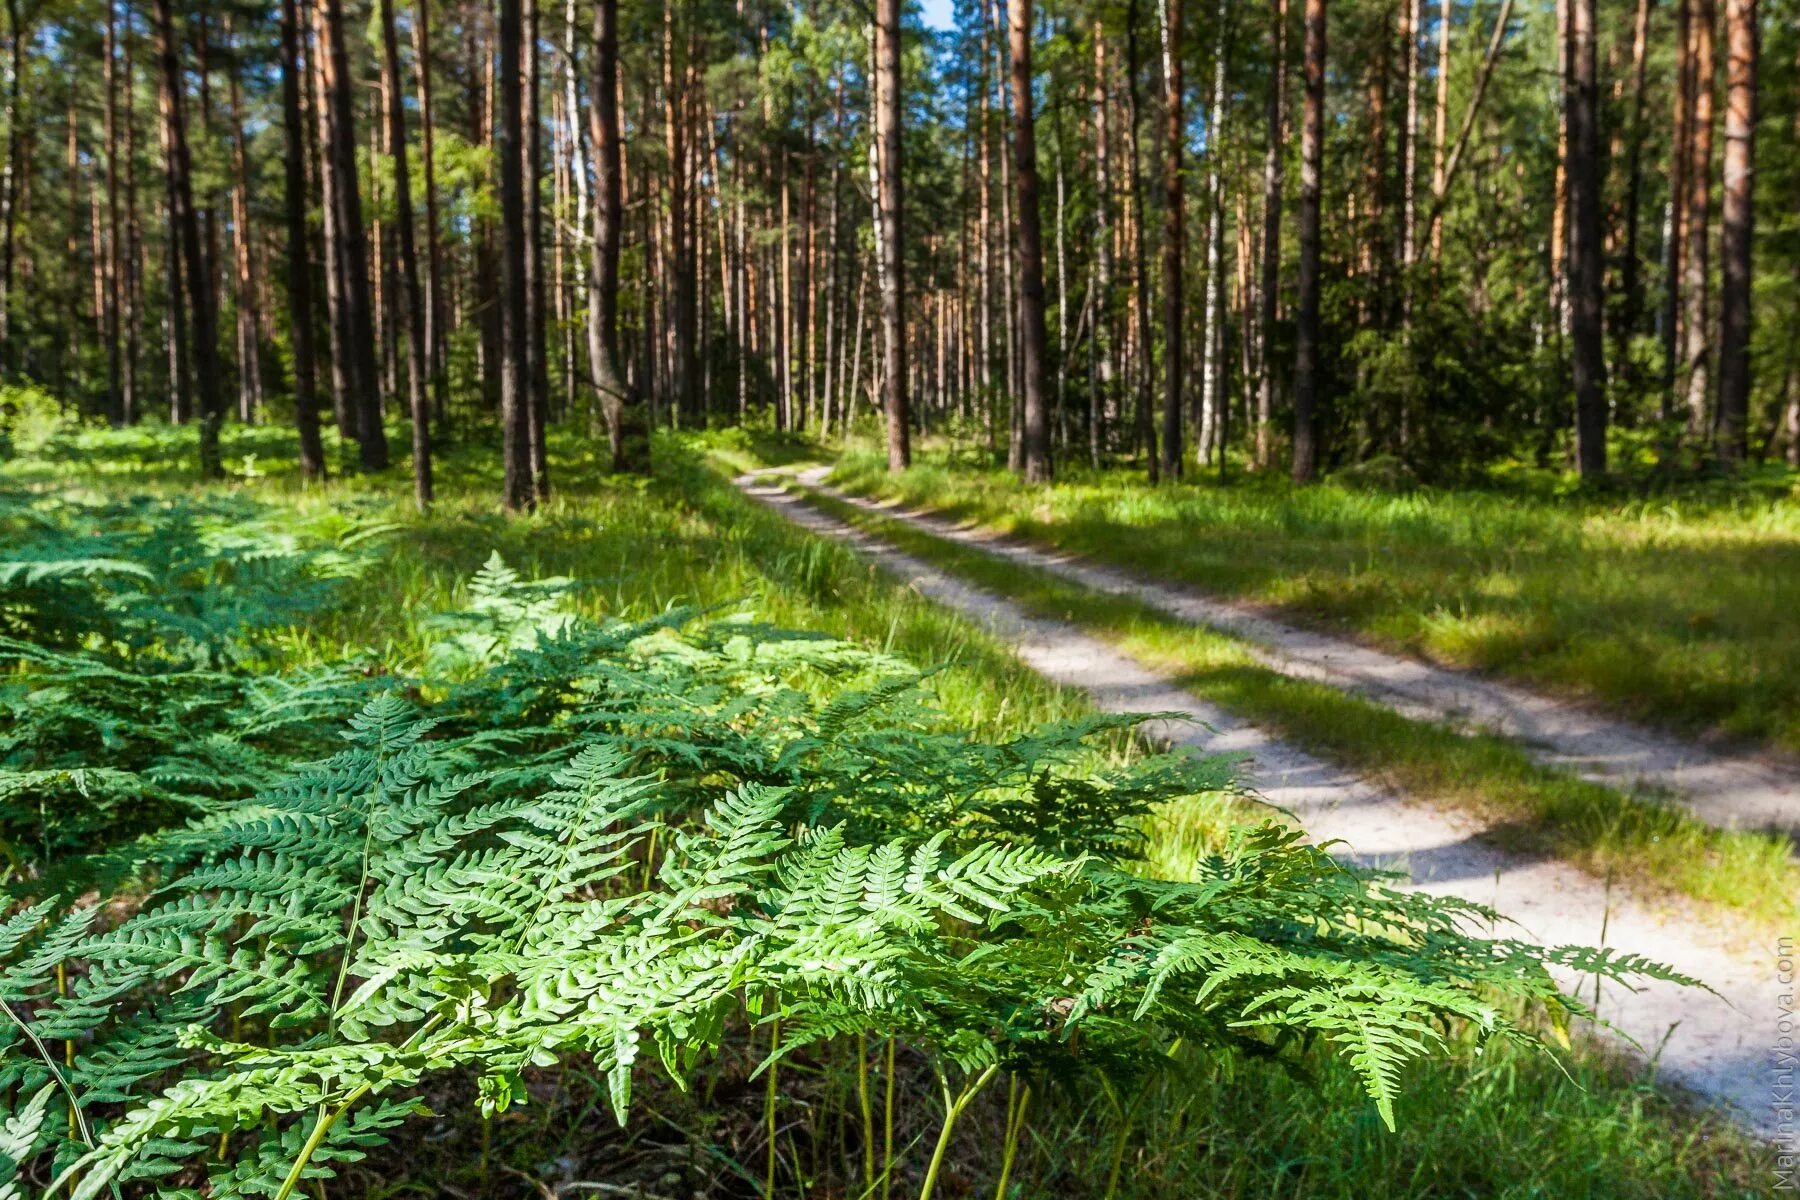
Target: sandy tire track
1719,1046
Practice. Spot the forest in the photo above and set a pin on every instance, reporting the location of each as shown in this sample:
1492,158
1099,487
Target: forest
808,598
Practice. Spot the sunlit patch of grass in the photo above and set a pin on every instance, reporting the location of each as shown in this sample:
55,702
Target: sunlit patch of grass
1651,845
1507,1122
1681,611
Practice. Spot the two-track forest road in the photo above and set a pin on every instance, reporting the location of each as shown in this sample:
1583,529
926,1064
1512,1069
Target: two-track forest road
1718,1045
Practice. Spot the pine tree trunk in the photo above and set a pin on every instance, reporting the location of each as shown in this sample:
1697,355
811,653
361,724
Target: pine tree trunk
437,331
1680,150
1306,332
1105,366
1140,266
1274,159
1631,289
249,314
518,492
1697,222
129,293
299,257
1169,12
536,340
361,377
13,171
1212,395
1440,124
1737,215
175,307
890,203
626,422
195,271
343,406
1587,283
1035,424
412,301
115,397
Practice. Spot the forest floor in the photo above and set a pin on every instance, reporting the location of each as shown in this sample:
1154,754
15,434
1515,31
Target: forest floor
1715,1044
1504,1120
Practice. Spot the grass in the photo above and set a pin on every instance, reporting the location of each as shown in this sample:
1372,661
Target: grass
1508,1122
1655,848
1682,611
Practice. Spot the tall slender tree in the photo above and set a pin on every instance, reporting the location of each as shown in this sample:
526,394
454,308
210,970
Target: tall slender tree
890,204
1274,157
1587,298
1697,333
1306,331
195,269
351,261
1174,207
1737,218
626,422
517,490
412,301
1035,429
299,257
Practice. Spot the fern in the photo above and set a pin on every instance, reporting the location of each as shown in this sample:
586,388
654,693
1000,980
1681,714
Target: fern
625,841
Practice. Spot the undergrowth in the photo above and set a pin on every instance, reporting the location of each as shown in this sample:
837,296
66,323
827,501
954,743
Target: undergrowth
460,857
1674,609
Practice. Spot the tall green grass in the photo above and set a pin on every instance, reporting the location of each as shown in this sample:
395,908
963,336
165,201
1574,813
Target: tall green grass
1679,610
1505,1123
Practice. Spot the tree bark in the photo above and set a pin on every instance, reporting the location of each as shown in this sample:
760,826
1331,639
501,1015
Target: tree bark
518,493
1274,158
299,258
891,211
1737,218
1104,368
1212,395
412,301
357,345
1306,333
1586,280
195,271
1696,331
1680,150
249,313
1631,289
436,327
626,423
536,340
1035,427
1169,12
1140,267
1440,123
115,396
11,172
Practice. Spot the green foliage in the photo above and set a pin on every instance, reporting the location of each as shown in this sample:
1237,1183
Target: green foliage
616,842
130,634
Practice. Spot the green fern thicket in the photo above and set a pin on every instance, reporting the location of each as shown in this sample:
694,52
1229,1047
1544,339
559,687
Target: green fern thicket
265,920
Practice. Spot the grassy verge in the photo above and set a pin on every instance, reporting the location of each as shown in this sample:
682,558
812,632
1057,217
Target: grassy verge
1681,611
1652,847
1508,1122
